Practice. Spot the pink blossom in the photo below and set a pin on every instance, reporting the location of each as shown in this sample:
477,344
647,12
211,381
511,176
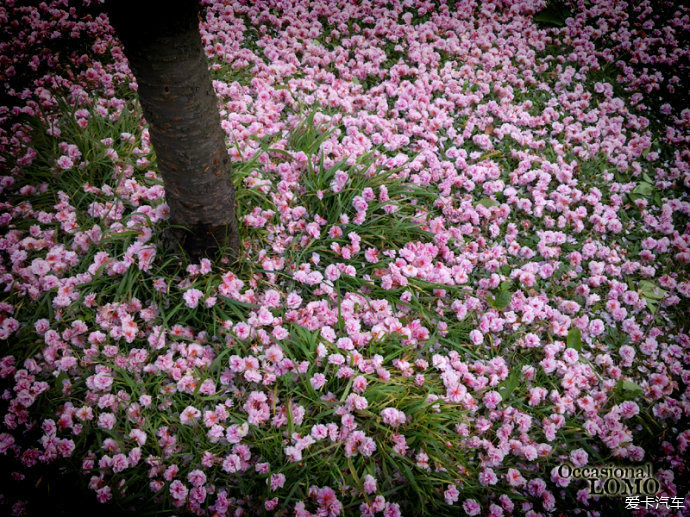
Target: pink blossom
192,297
189,415
476,337
393,417
492,399
106,420
178,490
317,381
471,507
277,481
369,484
451,494
65,162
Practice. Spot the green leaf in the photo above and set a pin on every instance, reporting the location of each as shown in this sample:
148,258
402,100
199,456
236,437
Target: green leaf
574,339
507,387
487,202
651,304
554,14
628,390
651,291
501,300
411,478
643,189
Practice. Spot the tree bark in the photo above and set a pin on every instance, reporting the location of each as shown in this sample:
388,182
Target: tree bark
162,43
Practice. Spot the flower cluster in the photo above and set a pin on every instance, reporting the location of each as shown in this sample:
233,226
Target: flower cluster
465,266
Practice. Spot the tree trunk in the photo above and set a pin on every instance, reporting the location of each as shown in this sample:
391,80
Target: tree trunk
162,42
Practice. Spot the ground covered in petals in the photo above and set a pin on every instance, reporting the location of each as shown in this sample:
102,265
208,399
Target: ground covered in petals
466,244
